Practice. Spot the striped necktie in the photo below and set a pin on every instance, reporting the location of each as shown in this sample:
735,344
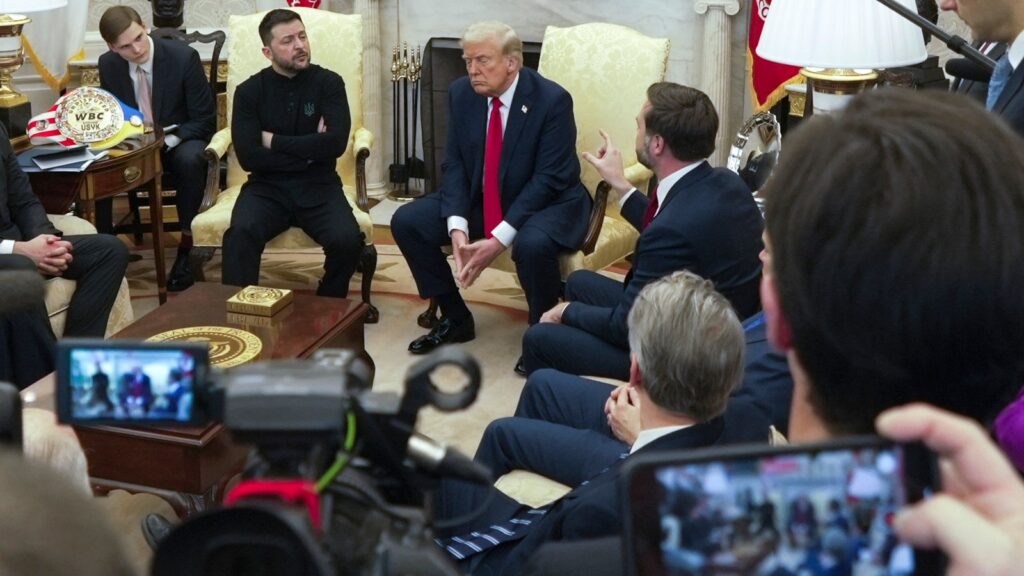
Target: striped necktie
515,528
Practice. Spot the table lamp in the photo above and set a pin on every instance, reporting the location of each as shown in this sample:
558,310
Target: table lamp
15,110
839,44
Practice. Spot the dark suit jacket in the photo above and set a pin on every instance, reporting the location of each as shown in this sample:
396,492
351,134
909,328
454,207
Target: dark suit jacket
540,171
709,225
1010,106
181,90
26,340
22,216
767,384
973,88
594,510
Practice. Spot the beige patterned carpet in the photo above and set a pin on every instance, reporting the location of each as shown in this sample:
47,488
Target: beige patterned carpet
496,300
499,309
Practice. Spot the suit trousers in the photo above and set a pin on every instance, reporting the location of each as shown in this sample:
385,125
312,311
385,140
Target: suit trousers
420,233
188,166
264,210
98,265
575,351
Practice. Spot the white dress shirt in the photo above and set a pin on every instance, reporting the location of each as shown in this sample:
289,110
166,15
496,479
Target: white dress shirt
504,231
664,185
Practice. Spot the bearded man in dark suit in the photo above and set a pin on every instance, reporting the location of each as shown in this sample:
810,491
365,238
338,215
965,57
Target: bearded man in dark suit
700,219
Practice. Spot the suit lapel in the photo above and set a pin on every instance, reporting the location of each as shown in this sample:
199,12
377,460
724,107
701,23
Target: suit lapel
1013,85
159,64
478,131
522,101
127,87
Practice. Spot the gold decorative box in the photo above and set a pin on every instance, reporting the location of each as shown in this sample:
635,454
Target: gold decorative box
259,300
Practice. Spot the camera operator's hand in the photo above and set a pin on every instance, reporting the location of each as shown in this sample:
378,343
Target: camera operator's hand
978,518
623,412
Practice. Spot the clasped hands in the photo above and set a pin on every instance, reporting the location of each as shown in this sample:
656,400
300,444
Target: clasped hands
51,254
472,257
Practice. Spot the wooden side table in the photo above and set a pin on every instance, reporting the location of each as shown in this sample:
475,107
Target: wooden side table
119,172
191,468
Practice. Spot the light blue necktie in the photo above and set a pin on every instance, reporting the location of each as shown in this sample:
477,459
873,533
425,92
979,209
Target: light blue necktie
998,81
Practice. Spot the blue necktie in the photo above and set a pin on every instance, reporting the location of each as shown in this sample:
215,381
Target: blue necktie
515,528
998,81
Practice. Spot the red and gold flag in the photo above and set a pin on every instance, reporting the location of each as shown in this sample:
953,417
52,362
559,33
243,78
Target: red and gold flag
767,79
303,3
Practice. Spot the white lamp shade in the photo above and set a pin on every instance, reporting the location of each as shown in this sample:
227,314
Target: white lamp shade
30,6
840,34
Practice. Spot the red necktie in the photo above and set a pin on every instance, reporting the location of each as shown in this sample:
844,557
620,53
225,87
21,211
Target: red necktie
652,207
492,165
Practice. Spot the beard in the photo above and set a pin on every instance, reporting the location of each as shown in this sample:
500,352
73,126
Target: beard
642,156
296,64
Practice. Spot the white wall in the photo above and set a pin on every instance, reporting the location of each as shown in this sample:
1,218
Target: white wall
415,21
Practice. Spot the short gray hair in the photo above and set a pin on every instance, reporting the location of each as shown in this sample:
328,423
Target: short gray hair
688,343
500,32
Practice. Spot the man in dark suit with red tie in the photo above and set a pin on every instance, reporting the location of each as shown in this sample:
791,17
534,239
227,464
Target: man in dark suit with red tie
511,179
164,79
701,219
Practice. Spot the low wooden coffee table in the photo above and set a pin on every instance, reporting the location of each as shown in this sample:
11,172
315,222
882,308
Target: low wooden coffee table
191,467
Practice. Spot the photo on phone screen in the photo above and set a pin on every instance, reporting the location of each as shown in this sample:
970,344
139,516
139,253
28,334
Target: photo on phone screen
124,383
796,511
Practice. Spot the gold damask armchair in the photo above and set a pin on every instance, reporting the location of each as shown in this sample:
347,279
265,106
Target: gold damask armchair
607,69
336,42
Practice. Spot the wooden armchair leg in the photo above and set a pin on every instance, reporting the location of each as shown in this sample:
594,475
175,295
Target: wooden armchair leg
429,316
368,266
197,258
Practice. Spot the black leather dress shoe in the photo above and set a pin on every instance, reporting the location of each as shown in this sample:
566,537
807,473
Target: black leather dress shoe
155,529
180,277
445,332
520,369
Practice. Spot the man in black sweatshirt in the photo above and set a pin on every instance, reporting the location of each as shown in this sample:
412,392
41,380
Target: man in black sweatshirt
289,126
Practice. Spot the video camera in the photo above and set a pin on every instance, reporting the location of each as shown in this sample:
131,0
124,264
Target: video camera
338,479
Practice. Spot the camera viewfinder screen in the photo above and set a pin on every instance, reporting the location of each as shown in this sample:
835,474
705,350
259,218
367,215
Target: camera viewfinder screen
131,385
797,514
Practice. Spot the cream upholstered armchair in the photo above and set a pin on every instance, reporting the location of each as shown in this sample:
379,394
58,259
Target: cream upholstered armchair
60,290
607,69
336,42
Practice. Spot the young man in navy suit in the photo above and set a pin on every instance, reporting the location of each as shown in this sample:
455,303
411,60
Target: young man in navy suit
688,357
511,179
177,93
702,219
999,21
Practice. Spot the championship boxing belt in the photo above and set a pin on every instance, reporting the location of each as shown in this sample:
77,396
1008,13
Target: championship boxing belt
86,115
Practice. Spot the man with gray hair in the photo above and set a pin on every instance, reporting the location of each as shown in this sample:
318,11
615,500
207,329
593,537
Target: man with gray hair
511,178
687,356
